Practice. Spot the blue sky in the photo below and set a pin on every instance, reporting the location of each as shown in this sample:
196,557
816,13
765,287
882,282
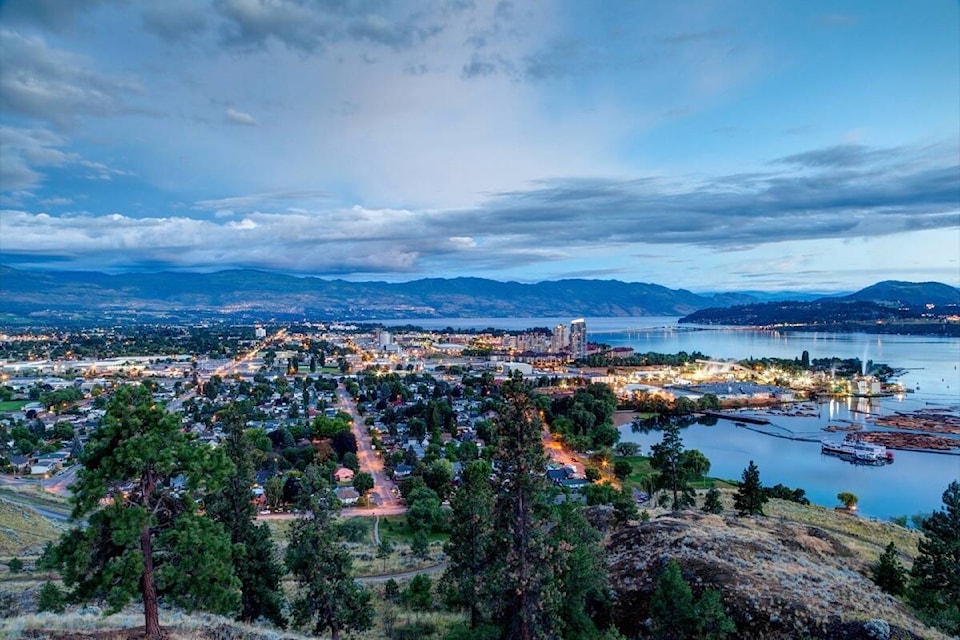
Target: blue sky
705,145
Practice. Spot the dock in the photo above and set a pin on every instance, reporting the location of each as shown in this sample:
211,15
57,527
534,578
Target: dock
736,418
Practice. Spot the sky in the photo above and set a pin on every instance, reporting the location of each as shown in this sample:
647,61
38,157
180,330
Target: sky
713,146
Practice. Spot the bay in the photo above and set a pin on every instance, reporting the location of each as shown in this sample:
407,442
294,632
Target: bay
914,483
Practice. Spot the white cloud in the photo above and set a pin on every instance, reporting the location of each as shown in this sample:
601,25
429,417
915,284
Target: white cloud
239,117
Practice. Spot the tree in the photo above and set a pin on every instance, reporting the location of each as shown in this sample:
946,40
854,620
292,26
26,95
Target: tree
420,545
327,595
675,616
671,609
142,535
711,503
750,497
935,576
384,549
888,573
471,540
579,567
438,475
15,565
622,469
419,595
624,507
254,553
523,583
273,490
51,598
363,482
848,499
668,459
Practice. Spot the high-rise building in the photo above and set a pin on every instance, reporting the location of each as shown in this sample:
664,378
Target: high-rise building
560,339
578,339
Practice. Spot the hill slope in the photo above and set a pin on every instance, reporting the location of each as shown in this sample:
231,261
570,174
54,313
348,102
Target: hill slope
258,294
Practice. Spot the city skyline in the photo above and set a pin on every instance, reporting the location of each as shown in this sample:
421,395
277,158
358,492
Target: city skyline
705,146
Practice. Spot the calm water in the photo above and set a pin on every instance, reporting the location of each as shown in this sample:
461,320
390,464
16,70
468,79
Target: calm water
913,483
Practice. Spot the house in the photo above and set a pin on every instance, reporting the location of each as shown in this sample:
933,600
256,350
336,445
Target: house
20,463
42,469
347,495
343,475
402,471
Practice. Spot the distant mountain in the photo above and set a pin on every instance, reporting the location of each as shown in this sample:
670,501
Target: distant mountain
928,308
261,295
909,294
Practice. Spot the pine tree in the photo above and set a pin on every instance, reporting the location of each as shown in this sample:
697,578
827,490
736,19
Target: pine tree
254,553
523,586
142,536
711,503
668,459
750,497
51,598
935,576
471,539
671,609
712,622
888,573
327,597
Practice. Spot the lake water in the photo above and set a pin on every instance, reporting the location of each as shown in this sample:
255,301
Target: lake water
913,483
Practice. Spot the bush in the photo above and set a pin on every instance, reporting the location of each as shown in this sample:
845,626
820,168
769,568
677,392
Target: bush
51,598
15,565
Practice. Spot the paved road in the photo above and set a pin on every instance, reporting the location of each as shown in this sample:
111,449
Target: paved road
387,497
403,575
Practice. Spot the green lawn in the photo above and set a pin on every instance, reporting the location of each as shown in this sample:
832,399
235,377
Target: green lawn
13,405
641,469
395,529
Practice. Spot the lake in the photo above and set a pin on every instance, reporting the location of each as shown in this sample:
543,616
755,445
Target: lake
913,483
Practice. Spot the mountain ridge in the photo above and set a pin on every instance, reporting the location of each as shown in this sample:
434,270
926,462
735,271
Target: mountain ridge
256,294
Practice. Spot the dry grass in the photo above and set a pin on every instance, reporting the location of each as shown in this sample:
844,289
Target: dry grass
23,531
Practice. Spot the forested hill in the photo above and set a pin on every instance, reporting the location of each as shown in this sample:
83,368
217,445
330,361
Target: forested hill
262,295
928,308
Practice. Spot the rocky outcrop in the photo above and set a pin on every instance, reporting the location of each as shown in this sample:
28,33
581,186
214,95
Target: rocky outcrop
778,580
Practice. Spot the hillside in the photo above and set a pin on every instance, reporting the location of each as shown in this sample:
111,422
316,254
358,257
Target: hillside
22,530
261,295
887,307
779,579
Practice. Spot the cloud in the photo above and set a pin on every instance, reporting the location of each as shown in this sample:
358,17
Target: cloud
846,155
553,220
174,20
55,15
240,117
26,151
261,200
310,27
37,81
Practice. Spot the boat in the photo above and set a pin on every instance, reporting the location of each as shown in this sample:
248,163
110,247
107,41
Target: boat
857,451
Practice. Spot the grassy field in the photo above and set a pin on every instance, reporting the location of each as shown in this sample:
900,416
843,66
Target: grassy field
13,405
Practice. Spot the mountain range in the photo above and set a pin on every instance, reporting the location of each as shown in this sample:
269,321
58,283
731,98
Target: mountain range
259,295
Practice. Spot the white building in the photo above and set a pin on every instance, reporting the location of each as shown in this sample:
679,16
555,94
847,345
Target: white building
578,338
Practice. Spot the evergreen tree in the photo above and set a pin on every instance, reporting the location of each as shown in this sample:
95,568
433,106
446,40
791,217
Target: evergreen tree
624,507
668,459
888,573
254,553
420,545
675,616
471,539
580,572
711,503
142,536
750,497
713,623
935,576
327,595
671,609
523,586
51,598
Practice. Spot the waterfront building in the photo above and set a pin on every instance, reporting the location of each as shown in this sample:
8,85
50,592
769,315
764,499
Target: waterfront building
560,339
578,339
